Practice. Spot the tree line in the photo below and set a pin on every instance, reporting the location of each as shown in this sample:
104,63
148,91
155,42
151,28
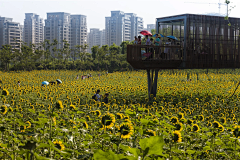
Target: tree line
48,56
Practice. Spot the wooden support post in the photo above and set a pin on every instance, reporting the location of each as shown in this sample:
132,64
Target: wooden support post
155,83
149,82
152,82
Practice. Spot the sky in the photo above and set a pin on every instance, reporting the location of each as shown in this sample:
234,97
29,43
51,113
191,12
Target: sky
97,10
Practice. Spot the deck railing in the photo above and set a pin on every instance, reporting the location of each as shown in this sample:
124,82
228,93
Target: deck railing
151,53
167,55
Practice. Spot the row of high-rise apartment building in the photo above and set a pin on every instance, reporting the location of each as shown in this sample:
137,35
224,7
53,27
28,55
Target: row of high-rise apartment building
122,27
96,37
33,29
59,25
63,26
10,32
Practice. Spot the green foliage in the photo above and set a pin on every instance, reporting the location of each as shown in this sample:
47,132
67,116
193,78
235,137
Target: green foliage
152,146
49,56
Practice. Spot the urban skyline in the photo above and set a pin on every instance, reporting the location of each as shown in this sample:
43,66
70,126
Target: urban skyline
73,28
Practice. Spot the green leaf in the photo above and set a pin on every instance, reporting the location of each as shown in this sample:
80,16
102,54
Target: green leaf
43,145
40,157
95,145
144,121
101,155
4,145
131,114
190,151
206,148
43,120
154,145
134,151
31,110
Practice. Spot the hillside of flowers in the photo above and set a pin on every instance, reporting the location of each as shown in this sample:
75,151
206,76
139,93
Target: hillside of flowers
195,115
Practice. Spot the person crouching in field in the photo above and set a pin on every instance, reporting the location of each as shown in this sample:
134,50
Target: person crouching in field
19,84
97,96
105,100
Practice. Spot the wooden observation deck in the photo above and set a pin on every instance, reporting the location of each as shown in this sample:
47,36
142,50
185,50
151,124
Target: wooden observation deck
203,42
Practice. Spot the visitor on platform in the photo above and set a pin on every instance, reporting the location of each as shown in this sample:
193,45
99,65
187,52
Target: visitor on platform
157,42
136,40
148,40
167,50
139,40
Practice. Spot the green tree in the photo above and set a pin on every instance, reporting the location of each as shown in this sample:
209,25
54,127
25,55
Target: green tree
6,56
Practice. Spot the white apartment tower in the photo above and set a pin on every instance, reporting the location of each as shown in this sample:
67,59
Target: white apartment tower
96,37
57,26
63,26
122,27
78,30
10,33
33,29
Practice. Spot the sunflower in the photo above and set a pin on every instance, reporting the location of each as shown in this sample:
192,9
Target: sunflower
119,116
72,123
29,124
216,124
178,127
189,121
195,128
88,118
174,120
72,107
126,130
180,115
22,128
155,120
221,128
92,112
5,92
4,109
59,105
146,111
201,117
59,145
108,120
177,137
85,125
98,113
236,131
182,120
223,120
150,132
209,124
126,117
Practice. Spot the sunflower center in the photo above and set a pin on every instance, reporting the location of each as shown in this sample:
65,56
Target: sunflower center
3,109
124,130
106,120
58,146
176,137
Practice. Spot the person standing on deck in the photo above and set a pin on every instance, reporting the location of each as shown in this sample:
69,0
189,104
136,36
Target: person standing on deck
157,42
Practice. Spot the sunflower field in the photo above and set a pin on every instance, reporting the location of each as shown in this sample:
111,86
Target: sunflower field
188,119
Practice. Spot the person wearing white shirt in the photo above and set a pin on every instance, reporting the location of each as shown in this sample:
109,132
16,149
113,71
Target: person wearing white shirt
148,42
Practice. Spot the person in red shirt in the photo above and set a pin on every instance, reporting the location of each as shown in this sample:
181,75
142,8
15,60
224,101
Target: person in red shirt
139,40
